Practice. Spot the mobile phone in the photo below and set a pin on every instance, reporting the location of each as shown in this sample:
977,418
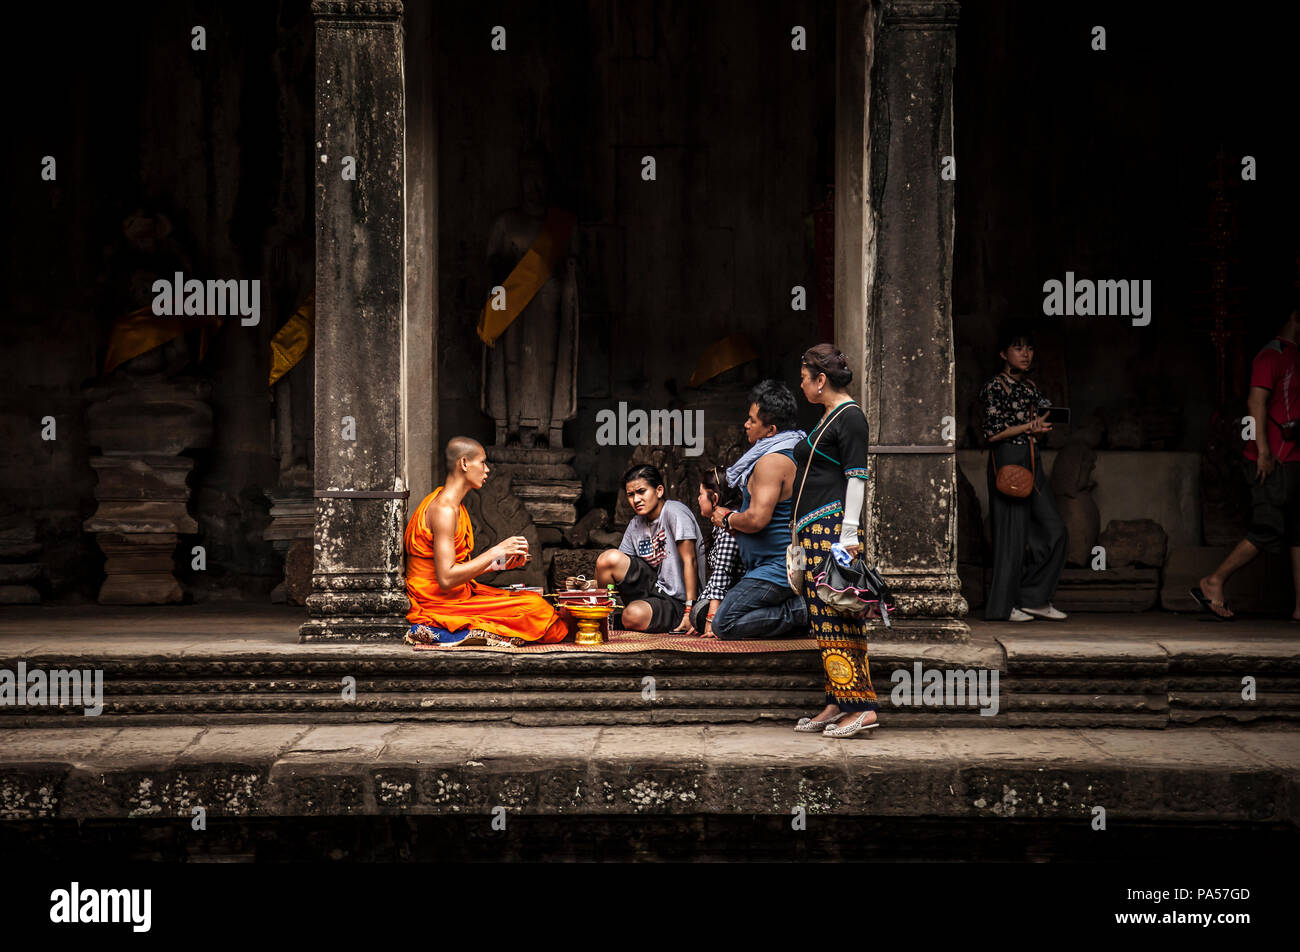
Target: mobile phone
1058,415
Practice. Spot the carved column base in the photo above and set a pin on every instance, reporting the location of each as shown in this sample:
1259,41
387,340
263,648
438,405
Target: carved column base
353,628
356,607
930,608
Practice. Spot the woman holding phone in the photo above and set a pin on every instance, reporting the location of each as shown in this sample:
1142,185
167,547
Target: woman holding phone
1028,534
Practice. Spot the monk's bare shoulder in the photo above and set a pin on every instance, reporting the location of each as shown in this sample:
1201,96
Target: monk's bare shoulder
441,515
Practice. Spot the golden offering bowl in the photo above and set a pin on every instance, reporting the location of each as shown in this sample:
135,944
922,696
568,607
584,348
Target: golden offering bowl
589,618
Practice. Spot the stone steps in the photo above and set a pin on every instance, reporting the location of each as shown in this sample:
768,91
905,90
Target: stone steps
424,699
1040,684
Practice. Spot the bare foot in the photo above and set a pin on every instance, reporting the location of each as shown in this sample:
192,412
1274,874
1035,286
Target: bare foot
828,714
1214,592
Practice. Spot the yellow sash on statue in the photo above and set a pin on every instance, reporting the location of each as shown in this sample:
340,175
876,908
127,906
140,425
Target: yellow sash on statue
721,356
292,340
140,331
528,276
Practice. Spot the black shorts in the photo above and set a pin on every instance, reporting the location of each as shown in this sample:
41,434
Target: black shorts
1275,506
639,585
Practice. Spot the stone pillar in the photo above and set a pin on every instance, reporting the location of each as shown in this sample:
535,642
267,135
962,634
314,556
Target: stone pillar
901,230
358,590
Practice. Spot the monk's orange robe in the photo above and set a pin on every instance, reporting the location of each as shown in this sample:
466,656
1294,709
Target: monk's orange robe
523,615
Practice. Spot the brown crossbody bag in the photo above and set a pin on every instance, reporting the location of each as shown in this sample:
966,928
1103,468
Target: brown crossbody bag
1013,480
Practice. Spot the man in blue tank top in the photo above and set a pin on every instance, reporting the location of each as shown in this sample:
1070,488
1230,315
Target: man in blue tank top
761,604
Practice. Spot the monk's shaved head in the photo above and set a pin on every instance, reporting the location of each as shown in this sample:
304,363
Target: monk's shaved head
460,447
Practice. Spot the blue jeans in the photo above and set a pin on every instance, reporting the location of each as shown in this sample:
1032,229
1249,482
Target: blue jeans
754,608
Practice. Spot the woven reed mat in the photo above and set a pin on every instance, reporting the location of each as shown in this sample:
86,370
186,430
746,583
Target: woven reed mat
626,642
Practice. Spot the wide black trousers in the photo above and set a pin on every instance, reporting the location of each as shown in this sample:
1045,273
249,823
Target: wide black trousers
1029,538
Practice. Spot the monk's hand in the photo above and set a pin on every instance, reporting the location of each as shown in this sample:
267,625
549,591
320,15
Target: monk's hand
512,550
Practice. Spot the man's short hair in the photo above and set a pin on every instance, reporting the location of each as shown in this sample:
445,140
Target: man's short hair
458,447
776,404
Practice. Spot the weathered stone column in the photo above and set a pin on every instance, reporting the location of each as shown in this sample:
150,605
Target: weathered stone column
898,109
360,480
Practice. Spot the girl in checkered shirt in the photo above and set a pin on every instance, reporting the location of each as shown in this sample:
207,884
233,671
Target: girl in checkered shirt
723,556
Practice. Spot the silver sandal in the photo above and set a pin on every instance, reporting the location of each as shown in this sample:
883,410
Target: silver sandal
852,728
807,725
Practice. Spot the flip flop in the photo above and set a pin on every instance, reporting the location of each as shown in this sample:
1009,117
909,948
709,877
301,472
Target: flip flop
1204,601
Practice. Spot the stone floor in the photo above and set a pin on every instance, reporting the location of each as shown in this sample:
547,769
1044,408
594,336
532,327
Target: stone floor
1195,775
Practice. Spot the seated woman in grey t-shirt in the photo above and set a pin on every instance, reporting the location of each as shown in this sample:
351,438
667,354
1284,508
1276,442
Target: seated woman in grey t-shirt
656,568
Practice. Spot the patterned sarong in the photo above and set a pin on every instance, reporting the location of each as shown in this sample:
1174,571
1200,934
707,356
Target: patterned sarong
842,638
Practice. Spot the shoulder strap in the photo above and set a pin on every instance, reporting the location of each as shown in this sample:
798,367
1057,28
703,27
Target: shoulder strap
794,513
1032,441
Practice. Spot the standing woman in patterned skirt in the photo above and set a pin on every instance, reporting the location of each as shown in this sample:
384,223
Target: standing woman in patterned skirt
828,511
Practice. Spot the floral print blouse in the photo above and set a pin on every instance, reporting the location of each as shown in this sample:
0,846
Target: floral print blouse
1010,402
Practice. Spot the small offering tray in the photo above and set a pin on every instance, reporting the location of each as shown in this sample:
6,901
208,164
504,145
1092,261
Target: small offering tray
582,598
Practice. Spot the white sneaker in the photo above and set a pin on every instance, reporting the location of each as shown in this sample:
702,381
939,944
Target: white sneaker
1047,611
1018,615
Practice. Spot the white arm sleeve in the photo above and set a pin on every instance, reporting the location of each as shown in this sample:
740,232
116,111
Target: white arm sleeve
852,511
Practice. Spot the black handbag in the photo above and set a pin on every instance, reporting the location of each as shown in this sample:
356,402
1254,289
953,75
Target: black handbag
855,589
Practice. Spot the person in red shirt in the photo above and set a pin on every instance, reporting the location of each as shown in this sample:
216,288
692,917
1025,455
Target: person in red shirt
1272,465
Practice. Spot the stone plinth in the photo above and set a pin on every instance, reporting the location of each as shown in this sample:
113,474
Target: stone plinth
544,481
550,502
1131,589
18,570
530,463
140,424
293,518
139,566
141,515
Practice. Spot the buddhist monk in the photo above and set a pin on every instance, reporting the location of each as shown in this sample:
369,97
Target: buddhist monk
447,605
